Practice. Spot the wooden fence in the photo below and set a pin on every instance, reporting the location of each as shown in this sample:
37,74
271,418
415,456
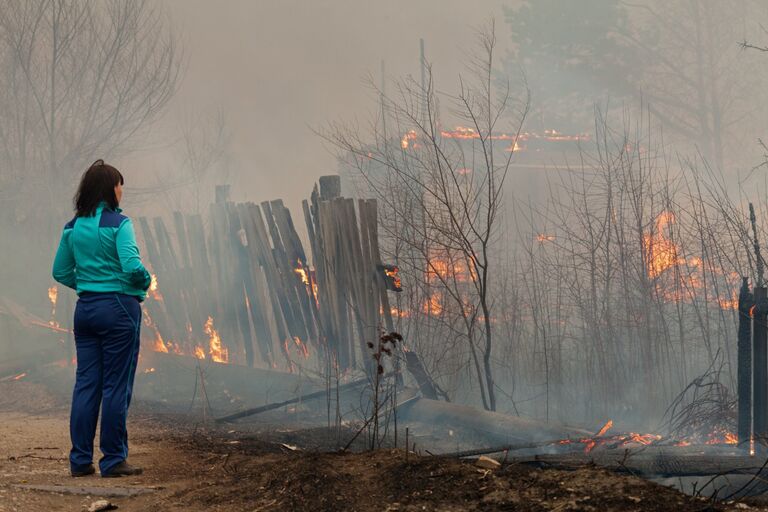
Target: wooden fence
238,287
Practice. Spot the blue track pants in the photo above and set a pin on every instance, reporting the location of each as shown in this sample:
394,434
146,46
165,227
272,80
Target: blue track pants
107,341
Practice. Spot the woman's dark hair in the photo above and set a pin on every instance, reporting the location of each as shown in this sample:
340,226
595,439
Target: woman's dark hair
97,184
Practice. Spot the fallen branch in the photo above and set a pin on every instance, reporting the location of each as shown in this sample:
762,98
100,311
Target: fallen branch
277,405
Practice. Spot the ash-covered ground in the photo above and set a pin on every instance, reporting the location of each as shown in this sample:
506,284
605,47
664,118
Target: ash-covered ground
193,467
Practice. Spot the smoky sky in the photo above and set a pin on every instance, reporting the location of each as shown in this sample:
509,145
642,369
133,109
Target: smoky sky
279,69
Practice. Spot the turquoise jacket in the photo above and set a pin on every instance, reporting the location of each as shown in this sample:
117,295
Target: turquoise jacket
99,254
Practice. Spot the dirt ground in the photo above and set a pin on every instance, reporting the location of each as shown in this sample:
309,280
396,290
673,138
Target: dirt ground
190,469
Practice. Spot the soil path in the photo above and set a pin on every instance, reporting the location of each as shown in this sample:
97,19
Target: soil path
34,452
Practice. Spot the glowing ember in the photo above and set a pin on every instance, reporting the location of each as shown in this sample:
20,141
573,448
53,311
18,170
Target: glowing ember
20,376
645,439
614,441
149,370
217,351
722,438
541,237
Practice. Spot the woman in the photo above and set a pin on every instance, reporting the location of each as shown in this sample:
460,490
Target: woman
98,257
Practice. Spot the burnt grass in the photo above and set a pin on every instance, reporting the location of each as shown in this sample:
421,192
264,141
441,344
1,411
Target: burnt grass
250,473
227,469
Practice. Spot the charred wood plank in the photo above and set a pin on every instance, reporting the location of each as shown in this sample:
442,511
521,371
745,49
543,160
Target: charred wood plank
295,257
330,187
292,311
242,280
223,263
416,368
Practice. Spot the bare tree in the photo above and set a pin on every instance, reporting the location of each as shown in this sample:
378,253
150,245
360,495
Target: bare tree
632,268
79,79
450,192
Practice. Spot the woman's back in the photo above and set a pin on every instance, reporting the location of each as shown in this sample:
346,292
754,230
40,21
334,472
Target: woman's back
99,254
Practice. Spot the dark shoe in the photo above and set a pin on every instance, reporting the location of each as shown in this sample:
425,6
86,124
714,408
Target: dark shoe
123,469
83,472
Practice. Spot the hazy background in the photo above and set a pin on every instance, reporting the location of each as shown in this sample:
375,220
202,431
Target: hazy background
276,70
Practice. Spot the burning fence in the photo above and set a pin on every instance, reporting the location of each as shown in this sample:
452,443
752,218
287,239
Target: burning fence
243,292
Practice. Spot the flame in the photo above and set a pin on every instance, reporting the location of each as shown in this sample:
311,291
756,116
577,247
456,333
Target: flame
409,136
149,370
304,350
661,252
159,343
726,304
719,437
199,352
302,273
599,439
307,277
443,268
462,132
516,141
645,439
605,428
53,295
20,376
154,291
217,351
541,237
393,272
399,313
433,306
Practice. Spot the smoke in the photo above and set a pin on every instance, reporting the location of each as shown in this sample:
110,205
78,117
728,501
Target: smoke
259,78
278,70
